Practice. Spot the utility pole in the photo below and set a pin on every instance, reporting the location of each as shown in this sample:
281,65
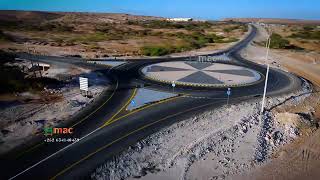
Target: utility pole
267,76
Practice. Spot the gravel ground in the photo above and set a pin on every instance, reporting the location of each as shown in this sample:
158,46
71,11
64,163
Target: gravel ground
300,158
214,145
22,121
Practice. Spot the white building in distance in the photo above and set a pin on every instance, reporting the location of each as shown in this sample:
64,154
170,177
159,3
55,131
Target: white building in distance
179,19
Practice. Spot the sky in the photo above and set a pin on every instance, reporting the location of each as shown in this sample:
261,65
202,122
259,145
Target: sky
200,9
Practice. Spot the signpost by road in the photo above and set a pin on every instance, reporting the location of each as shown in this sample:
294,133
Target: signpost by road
133,103
228,93
173,85
84,84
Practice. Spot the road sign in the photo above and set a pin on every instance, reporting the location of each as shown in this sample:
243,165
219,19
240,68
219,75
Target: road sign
133,102
83,84
173,84
229,91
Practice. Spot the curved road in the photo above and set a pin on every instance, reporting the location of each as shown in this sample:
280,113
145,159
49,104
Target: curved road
105,128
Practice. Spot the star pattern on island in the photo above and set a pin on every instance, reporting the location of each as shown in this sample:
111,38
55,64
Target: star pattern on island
200,73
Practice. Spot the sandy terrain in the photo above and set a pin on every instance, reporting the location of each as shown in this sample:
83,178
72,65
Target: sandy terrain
25,115
299,63
299,160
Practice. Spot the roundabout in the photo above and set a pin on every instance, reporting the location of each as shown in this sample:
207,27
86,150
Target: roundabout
112,126
203,74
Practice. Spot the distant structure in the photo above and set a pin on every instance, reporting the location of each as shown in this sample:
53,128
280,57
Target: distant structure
34,67
180,19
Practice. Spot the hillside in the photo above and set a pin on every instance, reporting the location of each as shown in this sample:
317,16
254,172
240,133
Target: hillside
106,34
275,21
27,16
40,16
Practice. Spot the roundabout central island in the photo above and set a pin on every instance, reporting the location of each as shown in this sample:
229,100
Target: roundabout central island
206,74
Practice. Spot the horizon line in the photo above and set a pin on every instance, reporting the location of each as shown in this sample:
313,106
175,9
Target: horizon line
137,14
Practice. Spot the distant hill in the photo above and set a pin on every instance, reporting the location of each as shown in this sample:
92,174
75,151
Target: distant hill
34,16
39,16
274,21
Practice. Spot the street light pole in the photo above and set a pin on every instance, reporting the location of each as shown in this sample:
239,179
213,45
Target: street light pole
267,75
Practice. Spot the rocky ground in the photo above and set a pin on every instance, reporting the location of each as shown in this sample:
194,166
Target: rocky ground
299,159
24,115
215,145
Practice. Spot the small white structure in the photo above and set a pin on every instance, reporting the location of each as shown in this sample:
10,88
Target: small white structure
31,64
83,84
44,66
180,19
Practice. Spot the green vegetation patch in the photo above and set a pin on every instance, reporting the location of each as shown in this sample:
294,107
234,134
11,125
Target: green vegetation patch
198,39
194,40
87,38
95,37
115,33
229,40
163,24
307,34
232,28
236,26
161,50
55,27
278,42
155,50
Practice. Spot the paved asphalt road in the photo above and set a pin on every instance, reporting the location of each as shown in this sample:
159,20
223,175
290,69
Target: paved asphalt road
105,128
